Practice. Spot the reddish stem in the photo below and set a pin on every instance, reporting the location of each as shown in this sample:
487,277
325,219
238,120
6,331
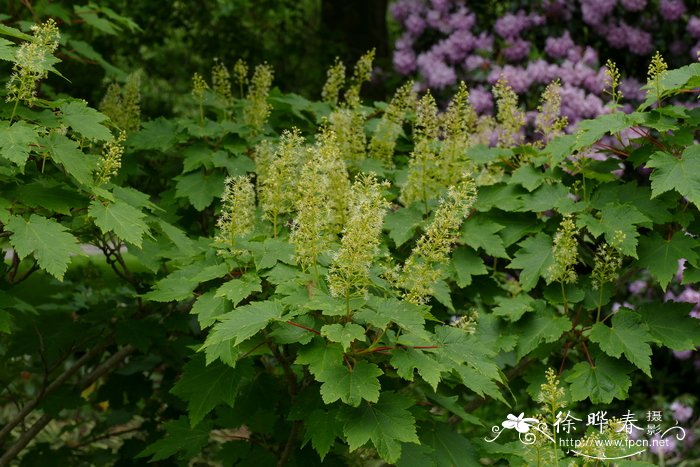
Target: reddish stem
303,327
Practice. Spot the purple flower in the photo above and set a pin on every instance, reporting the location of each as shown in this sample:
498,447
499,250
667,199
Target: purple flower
672,10
693,27
682,354
511,25
514,76
458,45
634,5
481,100
681,412
404,61
639,41
401,9
637,287
517,49
437,73
441,5
681,268
617,35
542,72
475,62
462,20
662,446
595,11
557,8
484,42
415,24
559,47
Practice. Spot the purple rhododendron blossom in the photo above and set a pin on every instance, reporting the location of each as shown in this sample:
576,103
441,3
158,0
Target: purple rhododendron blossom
559,47
681,412
672,10
633,5
516,50
693,27
481,100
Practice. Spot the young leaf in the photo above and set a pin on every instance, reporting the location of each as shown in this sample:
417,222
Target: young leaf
238,289
402,224
660,256
206,386
15,142
200,187
482,233
244,322
208,306
406,361
351,385
322,357
180,437
540,327
603,383
677,173
123,219
66,152
513,308
321,429
177,285
270,252
85,120
343,333
629,335
46,239
533,257
466,264
387,424
616,217
670,323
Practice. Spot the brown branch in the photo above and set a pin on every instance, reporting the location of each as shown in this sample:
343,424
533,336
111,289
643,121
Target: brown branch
63,377
289,445
39,425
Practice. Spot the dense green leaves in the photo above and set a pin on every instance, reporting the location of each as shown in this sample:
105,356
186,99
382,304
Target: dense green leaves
629,335
243,322
47,240
534,257
386,424
206,386
16,141
677,173
120,218
660,255
85,120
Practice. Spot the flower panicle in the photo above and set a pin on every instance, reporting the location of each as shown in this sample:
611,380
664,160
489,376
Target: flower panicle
321,196
421,269
552,395
350,269
612,81
549,122
279,177
32,62
221,82
459,120
565,252
257,109
111,160
240,75
237,216
509,115
607,262
361,74
122,104
335,79
383,140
